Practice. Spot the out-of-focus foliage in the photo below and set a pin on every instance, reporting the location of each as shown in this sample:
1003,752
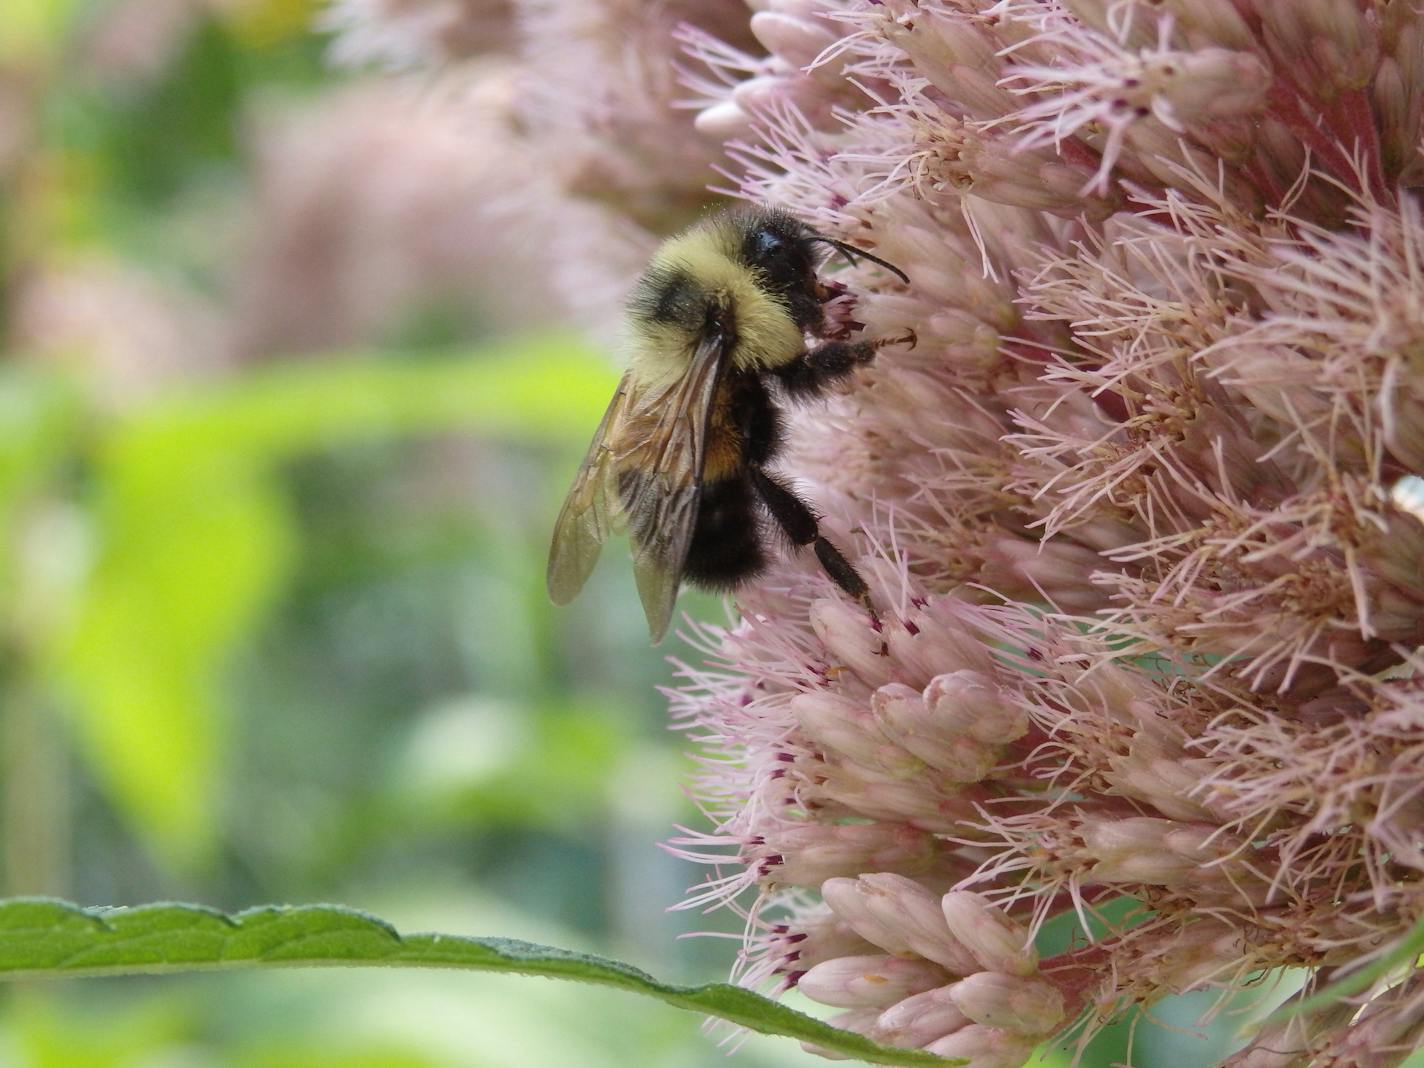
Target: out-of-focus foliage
195,532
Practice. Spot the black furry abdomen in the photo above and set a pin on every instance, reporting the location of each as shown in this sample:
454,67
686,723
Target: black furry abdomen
726,543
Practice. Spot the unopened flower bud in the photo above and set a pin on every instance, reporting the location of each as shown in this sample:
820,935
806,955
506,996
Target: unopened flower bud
998,943
919,1019
1028,1006
899,915
1216,83
844,728
936,740
1144,849
1326,45
797,40
858,1020
1217,22
723,120
916,801
810,854
850,637
876,981
1159,773
985,1047
968,702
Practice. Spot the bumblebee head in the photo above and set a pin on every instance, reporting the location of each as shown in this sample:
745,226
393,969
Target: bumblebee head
780,249
785,252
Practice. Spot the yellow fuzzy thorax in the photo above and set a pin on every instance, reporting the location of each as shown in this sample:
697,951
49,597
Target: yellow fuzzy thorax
766,336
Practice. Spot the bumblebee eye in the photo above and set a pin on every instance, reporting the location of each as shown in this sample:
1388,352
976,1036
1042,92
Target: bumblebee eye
767,247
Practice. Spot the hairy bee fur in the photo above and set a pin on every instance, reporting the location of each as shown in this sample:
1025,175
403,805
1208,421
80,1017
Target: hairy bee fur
717,335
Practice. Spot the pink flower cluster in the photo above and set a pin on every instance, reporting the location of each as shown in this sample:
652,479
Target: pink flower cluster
1139,511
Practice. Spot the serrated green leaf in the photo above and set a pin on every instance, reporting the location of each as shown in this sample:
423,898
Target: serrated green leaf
43,938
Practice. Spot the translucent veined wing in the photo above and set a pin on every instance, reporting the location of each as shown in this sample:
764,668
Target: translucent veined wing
660,447
589,511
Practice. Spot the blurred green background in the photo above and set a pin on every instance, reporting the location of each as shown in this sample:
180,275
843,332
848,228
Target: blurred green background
272,535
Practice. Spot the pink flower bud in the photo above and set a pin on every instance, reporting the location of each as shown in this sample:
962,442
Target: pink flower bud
724,120
1162,775
843,728
808,855
939,742
876,981
1207,22
1144,849
918,801
1328,46
919,1019
998,943
1215,83
845,896
819,934
985,1047
957,58
797,40
900,915
851,638
968,702
1028,1006
858,1020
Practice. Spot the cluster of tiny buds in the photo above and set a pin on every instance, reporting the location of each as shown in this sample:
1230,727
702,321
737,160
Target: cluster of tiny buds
951,974
954,729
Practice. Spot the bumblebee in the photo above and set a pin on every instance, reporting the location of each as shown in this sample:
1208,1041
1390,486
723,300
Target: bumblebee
717,327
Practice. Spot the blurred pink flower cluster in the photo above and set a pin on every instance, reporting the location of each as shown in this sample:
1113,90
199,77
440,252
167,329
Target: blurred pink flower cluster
1139,510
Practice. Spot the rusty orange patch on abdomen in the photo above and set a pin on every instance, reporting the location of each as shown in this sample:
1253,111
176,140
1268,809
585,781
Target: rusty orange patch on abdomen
724,457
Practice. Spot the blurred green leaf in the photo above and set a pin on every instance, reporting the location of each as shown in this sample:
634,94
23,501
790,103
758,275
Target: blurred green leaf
50,1038
523,767
39,416
262,23
540,389
155,142
45,938
184,574
311,1057
196,537
34,29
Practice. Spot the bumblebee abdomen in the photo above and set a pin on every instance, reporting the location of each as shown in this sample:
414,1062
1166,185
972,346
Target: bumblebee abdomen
726,546
726,455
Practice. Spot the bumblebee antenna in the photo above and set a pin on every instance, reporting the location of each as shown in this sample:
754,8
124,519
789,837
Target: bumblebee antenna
850,252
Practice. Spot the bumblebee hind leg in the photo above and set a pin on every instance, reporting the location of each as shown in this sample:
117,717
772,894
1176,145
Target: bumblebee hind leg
796,519
726,545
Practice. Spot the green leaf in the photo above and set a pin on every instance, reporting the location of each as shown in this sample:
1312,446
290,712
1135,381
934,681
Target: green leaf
43,938
196,538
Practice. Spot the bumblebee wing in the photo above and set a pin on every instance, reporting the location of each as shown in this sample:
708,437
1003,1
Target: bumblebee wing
589,510
666,432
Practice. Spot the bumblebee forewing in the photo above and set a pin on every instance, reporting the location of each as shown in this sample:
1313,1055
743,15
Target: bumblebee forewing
664,433
589,511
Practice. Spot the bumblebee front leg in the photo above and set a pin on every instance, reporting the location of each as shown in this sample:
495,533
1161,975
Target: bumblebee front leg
795,517
814,370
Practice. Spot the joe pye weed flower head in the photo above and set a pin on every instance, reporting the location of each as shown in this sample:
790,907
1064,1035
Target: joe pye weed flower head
1139,511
